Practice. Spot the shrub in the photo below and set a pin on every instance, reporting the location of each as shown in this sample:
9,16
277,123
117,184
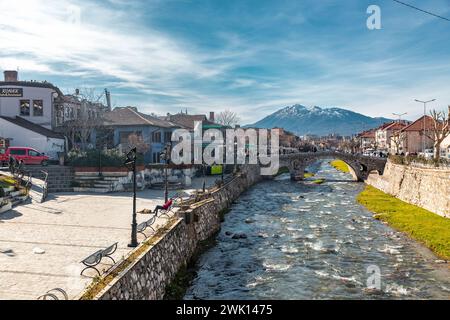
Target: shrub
97,158
407,160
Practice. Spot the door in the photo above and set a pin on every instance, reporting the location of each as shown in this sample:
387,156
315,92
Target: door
34,157
19,154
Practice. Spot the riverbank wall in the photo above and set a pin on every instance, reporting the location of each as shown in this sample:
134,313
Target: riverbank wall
151,267
424,187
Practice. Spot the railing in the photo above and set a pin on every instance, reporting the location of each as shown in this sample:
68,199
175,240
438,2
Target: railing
45,186
419,162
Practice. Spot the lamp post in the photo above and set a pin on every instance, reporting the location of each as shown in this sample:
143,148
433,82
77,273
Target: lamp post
130,163
165,155
424,120
400,115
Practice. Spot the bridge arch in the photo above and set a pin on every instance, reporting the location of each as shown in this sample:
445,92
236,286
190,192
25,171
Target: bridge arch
360,166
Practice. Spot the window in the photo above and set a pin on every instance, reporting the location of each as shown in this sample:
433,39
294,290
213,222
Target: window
24,107
125,136
156,157
18,152
156,137
167,136
33,153
38,108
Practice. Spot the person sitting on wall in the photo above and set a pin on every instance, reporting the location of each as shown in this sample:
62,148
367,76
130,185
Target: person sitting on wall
164,207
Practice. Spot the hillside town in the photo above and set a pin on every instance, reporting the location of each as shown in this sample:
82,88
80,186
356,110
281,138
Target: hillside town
38,115
76,156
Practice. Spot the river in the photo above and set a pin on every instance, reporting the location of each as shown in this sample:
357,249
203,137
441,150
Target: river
306,241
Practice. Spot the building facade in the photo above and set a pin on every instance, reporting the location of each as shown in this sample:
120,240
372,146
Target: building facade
30,100
417,135
123,126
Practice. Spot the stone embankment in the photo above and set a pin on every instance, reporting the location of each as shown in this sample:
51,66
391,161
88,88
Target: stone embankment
425,187
152,266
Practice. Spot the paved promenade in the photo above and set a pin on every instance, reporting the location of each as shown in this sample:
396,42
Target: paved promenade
68,227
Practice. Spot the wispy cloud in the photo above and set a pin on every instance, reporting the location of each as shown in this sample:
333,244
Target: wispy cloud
251,57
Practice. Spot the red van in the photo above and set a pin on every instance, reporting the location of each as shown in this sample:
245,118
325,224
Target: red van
27,155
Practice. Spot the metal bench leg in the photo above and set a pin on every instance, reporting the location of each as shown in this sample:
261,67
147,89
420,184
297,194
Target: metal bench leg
114,261
90,267
51,295
142,232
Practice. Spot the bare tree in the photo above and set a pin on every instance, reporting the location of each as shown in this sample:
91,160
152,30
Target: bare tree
80,130
87,113
439,131
397,139
135,140
228,118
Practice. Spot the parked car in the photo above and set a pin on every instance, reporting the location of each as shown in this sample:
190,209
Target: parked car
3,157
27,155
428,154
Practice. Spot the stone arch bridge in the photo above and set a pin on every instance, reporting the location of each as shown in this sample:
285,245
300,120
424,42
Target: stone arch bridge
360,166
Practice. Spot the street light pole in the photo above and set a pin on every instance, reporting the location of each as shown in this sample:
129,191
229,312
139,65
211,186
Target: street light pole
165,155
400,115
131,164
424,120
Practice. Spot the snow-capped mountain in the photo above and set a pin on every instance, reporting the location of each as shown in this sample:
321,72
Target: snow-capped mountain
303,120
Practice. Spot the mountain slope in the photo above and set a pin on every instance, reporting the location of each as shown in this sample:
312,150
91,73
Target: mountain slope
303,120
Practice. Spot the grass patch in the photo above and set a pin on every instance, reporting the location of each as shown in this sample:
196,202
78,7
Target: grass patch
340,165
422,225
308,175
318,181
6,182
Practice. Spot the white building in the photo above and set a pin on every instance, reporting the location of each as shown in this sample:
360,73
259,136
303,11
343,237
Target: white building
28,114
23,133
30,100
445,148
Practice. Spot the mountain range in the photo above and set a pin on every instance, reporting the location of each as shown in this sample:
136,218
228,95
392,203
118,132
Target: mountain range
315,120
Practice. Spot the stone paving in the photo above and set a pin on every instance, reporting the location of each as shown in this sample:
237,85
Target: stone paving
68,227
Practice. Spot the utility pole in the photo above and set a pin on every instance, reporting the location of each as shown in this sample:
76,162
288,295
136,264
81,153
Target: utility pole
130,163
424,120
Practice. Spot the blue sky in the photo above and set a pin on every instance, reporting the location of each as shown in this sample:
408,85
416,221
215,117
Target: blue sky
252,57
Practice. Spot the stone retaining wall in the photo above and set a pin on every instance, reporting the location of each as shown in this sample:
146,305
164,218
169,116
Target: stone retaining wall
148,276
425,187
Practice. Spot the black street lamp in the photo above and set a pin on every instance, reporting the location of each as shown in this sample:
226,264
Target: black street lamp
165,155
130,163
204,177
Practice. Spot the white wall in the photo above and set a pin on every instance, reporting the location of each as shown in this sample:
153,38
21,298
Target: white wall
22,137
445,146
10,106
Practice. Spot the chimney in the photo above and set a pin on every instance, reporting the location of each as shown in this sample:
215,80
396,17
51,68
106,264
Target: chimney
211,116
11,76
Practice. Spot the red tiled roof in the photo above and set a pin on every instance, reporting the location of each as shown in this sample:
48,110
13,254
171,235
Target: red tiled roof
384,125
187,120
419,124
396,126
367,134
131,117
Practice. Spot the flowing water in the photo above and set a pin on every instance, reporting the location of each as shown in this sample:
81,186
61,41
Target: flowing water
305,241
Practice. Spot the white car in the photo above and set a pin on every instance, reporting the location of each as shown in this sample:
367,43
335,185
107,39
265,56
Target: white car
428,154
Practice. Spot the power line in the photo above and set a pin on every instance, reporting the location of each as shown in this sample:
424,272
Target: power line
424,11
